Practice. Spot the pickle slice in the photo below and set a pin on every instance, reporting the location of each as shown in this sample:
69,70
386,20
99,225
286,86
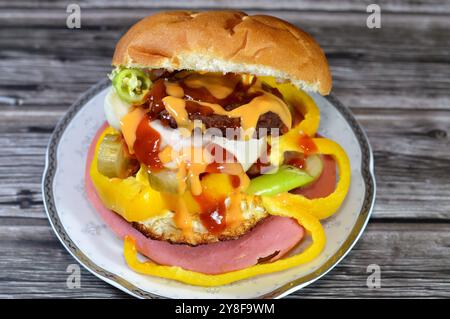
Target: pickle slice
314,166
113,160
163,181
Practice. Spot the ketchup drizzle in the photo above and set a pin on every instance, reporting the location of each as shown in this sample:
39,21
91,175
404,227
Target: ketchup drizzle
146,146
307,145
298,162
213,213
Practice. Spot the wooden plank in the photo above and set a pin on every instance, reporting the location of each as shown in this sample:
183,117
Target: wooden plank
35,264
389,68
410,257
431,6
412,162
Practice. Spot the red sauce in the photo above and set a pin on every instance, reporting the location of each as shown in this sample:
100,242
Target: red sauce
297,117
261,163
298,162
198,94
271,90
212,210
146,146
195,108
307,145
214,168
235,181
212,213
155,96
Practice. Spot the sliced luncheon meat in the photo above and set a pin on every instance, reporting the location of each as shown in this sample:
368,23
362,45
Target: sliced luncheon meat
324,185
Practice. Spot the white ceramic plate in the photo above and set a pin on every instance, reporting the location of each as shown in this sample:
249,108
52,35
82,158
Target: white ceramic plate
87,238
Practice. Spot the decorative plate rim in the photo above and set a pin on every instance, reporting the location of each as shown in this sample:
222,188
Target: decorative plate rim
367,172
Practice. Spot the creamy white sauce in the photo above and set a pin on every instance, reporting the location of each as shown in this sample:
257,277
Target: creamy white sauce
245,152
115,108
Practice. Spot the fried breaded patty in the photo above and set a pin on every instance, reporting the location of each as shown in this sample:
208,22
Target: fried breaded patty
163,227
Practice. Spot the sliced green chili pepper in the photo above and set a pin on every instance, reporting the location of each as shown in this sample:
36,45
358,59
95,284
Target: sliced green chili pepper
288,177
132,85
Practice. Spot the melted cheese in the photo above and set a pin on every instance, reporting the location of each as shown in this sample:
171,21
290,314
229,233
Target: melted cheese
177,109
234,211
166,155
196,160
219,86
173,89
249,113
129,124
181,177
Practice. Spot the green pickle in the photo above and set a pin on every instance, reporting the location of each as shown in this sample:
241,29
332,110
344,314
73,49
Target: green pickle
113,159
314,165
163,181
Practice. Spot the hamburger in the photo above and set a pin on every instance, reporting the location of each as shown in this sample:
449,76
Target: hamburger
209,163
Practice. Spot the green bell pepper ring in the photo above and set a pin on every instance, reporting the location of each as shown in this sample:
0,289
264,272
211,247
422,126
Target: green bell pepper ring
132,85
287,178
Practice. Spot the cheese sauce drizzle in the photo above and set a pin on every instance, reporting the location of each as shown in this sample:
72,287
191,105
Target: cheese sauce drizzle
221,87
206,92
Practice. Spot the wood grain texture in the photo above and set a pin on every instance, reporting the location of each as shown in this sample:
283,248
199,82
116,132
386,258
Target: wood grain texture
398,6
395,79
390,68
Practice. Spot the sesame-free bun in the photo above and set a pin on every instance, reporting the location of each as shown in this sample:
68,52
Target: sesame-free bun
225,41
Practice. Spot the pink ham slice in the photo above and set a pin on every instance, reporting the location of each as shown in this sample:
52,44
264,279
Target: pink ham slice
324,185
272,235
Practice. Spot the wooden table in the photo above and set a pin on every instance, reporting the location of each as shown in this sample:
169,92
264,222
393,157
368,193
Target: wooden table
395,79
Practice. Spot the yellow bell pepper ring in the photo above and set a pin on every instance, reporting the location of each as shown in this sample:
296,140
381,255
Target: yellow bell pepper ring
309,222
326,206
